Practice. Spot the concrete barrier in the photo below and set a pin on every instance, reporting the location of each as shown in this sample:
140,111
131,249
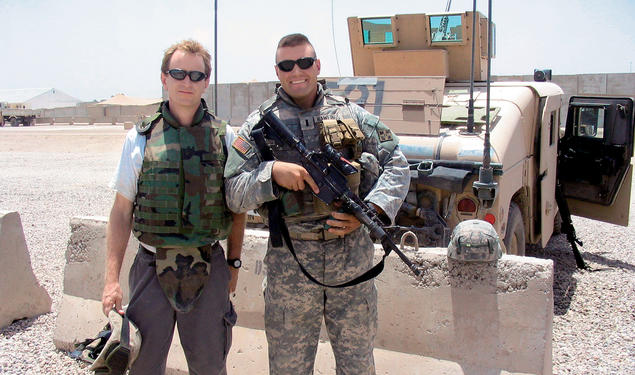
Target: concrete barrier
484,316
21,294
458,319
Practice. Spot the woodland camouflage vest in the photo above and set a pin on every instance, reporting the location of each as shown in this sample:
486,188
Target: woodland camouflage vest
181,199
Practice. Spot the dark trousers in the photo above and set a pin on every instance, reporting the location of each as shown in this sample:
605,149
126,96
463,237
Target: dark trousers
205,331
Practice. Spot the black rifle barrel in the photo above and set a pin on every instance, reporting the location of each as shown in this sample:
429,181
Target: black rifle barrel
351,202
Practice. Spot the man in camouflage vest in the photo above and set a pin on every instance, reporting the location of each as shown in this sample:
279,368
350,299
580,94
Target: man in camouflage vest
331,245
170,192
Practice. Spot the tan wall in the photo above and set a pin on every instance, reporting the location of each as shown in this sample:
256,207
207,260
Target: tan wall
618,84
587,84
237,100
92,113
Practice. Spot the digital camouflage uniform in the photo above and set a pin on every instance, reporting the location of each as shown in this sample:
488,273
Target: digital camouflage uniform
294,306
180,210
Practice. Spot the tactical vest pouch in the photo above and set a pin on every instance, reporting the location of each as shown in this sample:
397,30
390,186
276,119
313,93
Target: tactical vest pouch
182,274
343,134
321,208
292,203
353,180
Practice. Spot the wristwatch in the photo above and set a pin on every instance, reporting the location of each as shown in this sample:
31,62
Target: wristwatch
236,263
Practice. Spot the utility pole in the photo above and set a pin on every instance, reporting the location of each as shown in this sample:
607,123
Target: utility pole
216,57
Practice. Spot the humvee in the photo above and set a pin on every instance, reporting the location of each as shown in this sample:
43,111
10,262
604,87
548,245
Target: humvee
414,71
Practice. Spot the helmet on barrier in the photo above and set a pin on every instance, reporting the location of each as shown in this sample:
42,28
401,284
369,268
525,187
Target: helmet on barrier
475,241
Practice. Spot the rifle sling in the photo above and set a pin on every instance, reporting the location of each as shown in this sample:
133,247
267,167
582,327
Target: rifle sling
371,273
125,332
273,209
278,228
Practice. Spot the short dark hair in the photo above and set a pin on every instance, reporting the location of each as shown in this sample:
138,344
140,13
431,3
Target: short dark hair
293,40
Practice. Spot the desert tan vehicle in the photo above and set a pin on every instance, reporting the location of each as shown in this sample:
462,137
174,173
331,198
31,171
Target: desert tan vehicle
16,114
413,70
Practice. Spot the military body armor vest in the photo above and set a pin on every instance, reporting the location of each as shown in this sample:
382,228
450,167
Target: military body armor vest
329,122
180,199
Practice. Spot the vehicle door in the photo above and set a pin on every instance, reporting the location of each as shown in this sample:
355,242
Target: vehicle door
548,163
594,162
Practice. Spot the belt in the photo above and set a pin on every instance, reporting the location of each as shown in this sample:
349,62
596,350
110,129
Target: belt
322,235
206,247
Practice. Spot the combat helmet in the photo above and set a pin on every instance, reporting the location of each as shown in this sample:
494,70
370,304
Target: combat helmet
475,241
114,349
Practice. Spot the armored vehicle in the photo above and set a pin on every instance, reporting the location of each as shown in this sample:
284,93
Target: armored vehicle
414,72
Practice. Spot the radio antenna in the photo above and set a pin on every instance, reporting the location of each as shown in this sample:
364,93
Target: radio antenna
485,188
470,106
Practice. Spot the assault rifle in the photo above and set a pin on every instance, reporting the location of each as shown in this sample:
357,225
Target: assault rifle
567,226
328,169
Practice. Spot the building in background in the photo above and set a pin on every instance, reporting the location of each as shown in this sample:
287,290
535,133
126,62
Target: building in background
121,99
37,98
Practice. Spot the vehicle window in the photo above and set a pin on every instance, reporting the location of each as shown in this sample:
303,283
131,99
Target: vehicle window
552,124
446,28
589,122
377,31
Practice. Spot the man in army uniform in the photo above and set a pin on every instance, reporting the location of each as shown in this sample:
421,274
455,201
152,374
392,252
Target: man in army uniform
170,193
331,245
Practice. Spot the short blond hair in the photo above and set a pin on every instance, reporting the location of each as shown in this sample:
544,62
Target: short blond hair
189,46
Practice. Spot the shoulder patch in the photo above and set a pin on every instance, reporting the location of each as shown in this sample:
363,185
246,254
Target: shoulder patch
387,139
241,145
145,126
384,134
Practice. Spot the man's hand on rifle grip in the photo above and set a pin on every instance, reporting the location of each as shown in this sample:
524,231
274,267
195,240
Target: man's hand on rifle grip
341,223
292,176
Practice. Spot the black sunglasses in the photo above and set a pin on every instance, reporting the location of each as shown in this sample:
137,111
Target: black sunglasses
180,74
303,63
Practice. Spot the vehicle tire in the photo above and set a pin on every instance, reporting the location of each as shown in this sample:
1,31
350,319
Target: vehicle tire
515,232
14,121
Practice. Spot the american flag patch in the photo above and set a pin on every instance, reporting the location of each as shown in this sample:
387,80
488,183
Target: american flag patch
241,145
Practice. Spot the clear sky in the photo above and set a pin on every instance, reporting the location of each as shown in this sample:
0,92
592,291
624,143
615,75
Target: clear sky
93,49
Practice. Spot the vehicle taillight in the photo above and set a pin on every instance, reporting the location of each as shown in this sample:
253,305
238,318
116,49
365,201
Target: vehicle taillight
490,218
466,205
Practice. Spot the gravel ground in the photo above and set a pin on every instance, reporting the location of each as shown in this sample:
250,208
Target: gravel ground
594,311
47,189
